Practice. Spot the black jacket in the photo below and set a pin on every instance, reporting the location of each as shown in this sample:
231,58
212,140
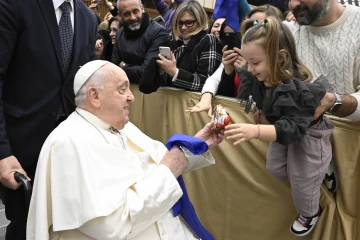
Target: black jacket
196,60
32,85
136,52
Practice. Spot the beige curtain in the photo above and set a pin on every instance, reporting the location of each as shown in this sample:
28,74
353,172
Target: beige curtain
237,198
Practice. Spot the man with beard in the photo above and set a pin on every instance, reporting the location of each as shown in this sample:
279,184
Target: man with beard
138,41
328,43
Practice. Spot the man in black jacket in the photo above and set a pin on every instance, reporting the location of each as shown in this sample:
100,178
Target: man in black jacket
43,43
138,41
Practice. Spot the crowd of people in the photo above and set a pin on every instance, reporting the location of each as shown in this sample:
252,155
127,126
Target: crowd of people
65,99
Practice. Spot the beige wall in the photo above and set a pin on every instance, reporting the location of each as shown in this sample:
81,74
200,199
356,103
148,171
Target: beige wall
207,3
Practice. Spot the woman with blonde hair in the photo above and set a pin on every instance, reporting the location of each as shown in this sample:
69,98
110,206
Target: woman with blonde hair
195,54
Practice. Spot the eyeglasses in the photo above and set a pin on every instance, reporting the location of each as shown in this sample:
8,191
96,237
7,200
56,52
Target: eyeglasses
188,23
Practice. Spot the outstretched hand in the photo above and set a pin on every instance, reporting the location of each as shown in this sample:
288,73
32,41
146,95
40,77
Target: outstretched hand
241,132
203,105
210,135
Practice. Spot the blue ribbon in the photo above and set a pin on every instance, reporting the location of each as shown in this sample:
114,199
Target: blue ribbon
183,206
234,11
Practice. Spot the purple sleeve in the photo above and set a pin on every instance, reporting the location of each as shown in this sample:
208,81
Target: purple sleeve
162,7
178,2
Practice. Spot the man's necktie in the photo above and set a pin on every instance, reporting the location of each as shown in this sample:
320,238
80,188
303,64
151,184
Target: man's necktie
66,36
183,206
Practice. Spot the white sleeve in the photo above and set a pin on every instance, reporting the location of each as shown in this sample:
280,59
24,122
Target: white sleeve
212,83
147,201
355,116
197,161
175,76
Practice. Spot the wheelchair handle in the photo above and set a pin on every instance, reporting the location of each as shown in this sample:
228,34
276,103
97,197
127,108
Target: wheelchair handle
27,187
22,179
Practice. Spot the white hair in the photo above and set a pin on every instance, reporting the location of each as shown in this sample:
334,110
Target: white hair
96,80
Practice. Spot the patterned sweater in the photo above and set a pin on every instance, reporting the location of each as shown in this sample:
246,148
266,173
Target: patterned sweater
334,51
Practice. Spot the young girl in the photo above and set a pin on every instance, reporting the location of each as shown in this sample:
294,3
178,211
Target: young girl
300,149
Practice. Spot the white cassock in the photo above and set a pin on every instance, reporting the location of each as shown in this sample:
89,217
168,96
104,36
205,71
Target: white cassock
91,183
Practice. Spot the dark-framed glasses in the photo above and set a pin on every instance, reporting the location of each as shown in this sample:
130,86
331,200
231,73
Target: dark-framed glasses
188,23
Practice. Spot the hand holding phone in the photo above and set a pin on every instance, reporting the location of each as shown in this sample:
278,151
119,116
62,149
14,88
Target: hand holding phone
165,52
232,40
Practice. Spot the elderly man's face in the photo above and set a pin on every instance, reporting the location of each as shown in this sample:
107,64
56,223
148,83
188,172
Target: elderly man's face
308,12
131,13
115,99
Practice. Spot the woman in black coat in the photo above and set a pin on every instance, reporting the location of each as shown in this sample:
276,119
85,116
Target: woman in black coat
195,54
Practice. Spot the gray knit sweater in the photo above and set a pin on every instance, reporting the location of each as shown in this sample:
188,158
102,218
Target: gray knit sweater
334,51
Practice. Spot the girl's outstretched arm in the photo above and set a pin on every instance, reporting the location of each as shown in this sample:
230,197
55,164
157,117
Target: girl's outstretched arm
241,132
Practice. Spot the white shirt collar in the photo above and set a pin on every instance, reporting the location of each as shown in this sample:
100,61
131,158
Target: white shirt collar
93,119
57,3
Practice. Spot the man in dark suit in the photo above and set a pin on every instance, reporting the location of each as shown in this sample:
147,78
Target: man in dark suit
42,45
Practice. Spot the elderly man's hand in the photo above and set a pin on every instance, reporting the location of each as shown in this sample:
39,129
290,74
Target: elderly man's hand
175,160
210,135
8,166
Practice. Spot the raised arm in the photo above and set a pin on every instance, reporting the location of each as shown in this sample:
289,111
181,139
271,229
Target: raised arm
208,92
161,6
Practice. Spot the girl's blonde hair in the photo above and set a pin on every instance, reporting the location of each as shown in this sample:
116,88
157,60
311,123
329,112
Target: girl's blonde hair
269,10
194,9
275,36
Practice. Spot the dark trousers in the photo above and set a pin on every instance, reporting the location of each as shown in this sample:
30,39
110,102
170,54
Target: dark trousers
16,208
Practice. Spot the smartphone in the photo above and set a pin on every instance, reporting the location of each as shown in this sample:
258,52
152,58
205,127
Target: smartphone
165,51
232,39
159,19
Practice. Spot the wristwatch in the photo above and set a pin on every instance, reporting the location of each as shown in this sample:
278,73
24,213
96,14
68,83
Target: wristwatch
337,103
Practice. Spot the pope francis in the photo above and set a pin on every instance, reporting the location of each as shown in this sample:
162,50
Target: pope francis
100,177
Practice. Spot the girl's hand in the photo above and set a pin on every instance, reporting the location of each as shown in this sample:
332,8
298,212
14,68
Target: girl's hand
203,105
241,132
228,59
168,66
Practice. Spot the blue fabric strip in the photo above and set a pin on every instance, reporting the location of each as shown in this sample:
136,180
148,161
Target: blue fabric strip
234,11
184,207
